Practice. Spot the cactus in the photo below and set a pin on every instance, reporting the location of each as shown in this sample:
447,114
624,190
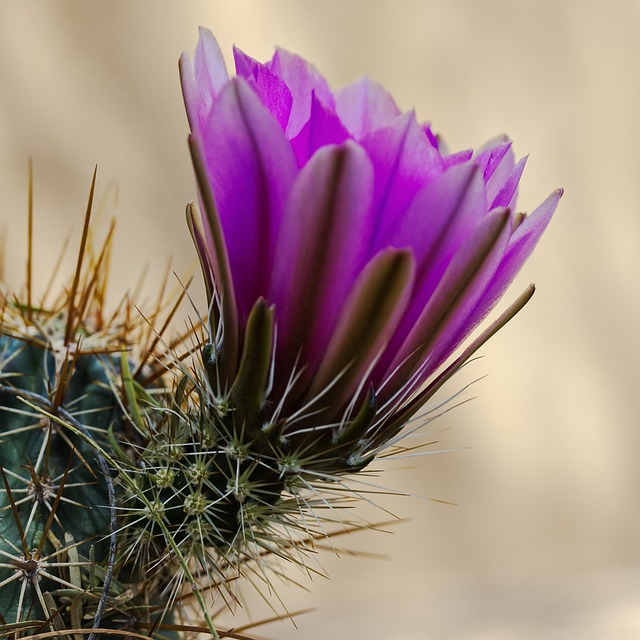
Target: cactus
130,479
139,476
49,479
63,403
142,474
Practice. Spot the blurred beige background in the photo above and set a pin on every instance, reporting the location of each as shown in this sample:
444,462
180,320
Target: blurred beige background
545,539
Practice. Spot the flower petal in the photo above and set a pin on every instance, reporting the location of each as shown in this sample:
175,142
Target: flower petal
271,88
498,161
365,106
521,245
303,80
506,197
251,168
432,137
218,261
404,160
320,250
202,81
460,157
441,215
457,293
491,154
435,225
322,128
367,321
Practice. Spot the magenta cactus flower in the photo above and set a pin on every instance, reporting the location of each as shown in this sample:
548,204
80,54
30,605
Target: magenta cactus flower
347,254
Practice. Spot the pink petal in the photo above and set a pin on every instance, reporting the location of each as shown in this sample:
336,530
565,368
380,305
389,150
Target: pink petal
456,295
521,245
202,81
251,168
439,219
433,139
272,90
460,157
498,161
303,80
322,128
507,195
404,161
219,277
320,250
365,106
436,224
491,154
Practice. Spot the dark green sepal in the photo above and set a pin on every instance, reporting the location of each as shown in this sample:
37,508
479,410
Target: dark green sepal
210,362
332,453
250,385
356,428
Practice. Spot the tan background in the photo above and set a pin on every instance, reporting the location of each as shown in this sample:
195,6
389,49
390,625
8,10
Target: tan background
544,542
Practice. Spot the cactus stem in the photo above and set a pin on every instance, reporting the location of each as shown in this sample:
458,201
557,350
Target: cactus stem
58,414
64,418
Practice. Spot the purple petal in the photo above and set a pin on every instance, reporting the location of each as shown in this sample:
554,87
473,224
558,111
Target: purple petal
217,260
365,106
204,80
320,249
491,154
498,162
272,90
404,161
521,245
322,128
440,217
457,293
433,139
367,321
303,80
436,224
251,168
508,193
460,157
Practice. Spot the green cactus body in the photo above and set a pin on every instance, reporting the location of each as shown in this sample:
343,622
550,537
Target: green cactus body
49,470
64,406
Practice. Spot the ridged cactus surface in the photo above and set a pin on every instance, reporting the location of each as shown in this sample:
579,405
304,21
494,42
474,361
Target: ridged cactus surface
55,505
67,398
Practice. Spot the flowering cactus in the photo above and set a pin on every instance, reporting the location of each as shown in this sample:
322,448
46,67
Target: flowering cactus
67,397
348,253
346,258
